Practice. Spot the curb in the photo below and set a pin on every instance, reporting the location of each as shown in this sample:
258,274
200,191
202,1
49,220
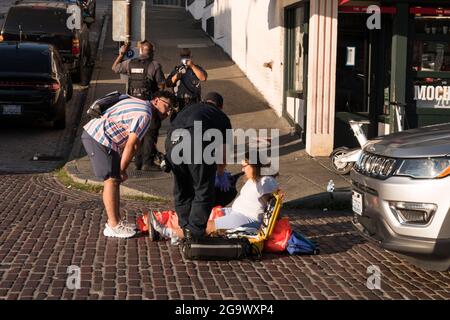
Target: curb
338,200
126,191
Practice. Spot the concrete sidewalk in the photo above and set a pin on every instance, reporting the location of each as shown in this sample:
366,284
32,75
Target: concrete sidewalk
303,178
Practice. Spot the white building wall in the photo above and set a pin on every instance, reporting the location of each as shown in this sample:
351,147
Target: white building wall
252,33
196,9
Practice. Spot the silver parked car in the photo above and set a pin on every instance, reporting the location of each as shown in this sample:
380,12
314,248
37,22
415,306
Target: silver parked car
401,194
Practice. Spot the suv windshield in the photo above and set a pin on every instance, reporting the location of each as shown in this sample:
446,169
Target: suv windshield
37,19
18,60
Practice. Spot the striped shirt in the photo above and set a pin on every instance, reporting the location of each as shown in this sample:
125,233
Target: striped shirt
115,125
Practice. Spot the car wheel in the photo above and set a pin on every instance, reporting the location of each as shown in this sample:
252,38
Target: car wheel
338,166
60,122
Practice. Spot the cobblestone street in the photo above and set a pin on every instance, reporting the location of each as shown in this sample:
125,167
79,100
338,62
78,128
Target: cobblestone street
46,227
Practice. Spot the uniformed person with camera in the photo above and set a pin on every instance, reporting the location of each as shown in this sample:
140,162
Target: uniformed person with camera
185,80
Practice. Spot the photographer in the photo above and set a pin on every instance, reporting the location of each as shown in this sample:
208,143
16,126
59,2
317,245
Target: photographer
185,80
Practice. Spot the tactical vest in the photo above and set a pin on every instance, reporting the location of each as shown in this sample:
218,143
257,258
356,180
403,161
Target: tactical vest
139,84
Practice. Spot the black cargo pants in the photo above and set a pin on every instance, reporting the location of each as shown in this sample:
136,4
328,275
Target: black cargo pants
194,194
147,152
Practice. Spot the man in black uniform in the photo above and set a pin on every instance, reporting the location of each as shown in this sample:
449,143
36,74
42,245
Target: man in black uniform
185,80
194,191
145,77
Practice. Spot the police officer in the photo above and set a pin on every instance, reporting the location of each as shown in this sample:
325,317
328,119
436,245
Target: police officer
194,178
145,77
185,80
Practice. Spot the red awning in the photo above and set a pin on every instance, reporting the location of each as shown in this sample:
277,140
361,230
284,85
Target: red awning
341,2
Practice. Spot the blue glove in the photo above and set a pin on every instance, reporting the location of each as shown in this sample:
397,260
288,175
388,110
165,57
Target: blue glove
223,181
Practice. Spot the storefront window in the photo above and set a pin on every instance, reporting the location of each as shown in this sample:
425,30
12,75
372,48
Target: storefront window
431,62
431,56
436,25
299,49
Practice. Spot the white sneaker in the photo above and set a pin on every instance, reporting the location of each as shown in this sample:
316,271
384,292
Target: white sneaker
119,231
127,224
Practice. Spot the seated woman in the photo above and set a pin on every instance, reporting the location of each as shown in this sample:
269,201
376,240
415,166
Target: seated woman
246,211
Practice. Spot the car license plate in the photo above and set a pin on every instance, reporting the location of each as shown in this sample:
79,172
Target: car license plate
357,202
12,109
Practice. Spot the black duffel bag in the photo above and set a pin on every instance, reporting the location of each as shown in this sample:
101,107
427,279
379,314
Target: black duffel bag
218,248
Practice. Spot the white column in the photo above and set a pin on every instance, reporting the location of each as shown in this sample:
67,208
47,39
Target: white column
321,77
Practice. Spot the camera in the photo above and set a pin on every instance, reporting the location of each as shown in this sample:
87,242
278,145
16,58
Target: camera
181,69
163,163
184,61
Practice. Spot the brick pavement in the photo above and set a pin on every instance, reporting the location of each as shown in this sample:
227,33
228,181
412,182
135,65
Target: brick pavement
45,227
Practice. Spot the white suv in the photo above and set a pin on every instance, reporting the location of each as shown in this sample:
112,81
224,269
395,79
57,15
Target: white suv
401,194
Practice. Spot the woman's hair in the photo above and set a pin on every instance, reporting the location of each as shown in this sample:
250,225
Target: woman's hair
255,163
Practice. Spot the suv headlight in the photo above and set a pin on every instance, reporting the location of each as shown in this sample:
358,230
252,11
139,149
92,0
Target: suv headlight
433,168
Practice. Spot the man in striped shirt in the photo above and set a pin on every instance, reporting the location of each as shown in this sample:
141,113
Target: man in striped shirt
111,142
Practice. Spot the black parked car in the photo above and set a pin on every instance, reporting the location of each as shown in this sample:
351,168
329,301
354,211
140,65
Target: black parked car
34,83
87,7
47,22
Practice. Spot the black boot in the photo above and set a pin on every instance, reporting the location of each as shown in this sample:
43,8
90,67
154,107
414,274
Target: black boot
187,234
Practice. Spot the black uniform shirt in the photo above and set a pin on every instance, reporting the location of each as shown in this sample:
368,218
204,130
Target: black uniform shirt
188,86
210,116
154,72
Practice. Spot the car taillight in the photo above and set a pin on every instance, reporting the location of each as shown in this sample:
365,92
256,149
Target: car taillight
23,85
52,86
75,47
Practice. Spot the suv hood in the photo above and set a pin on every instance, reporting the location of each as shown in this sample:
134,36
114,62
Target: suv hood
430,141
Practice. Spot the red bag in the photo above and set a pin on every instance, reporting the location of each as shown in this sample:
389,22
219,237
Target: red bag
169,218
216,212
279,238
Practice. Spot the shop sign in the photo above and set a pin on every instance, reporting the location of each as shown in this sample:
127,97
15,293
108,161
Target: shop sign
430,11
432,96
363,9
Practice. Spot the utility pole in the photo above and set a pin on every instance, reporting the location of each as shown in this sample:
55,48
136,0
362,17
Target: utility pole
128,20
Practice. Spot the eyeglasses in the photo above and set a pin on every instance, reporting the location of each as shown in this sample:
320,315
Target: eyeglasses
166,102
